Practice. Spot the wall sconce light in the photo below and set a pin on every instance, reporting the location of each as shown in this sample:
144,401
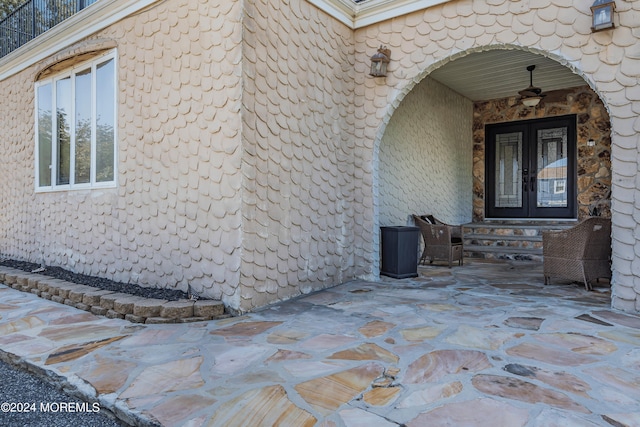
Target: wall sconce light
591,142
602,11
379,62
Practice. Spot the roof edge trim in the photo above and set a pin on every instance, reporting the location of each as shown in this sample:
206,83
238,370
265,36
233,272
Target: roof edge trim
368,12
88,21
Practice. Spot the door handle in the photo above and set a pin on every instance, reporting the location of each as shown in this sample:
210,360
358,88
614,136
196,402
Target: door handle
525,182
533,183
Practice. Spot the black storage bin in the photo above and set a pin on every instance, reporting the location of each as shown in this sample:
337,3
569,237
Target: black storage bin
400,251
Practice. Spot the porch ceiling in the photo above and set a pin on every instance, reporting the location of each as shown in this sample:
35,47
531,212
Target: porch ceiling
502,73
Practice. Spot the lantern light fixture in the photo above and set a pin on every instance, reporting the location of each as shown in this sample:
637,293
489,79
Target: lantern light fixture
602,11
379,62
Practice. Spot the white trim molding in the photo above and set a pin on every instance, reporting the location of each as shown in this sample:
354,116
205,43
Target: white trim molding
94,18
368,12
342,10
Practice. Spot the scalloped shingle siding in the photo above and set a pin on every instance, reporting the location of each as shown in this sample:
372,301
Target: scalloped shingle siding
250,141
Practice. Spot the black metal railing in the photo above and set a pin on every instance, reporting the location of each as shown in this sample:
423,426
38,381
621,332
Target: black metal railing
34,18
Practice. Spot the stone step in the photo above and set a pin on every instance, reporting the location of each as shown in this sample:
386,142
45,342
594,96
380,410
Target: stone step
503,252
502,249
514,229
508,239
493,237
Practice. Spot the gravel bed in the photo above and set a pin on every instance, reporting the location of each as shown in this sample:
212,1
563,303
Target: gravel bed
28,401
97,282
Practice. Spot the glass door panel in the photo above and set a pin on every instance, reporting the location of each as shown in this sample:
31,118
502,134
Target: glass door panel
551,154
508,170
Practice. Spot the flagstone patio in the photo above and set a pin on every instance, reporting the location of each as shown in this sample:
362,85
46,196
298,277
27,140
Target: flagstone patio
486,344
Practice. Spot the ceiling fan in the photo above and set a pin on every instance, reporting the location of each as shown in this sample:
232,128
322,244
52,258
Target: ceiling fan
532,95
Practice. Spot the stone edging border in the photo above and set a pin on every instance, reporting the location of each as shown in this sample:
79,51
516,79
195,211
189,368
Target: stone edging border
114,305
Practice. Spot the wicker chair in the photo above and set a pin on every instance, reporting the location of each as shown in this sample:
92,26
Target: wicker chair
581,253
441,241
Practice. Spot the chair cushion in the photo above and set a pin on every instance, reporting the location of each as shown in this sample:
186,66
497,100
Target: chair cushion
428,218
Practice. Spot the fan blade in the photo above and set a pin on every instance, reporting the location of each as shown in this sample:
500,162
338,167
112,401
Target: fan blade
530,91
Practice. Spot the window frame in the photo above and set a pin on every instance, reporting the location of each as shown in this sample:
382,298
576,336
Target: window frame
52,80
559,186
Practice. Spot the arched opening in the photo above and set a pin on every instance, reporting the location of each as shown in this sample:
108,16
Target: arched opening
434,155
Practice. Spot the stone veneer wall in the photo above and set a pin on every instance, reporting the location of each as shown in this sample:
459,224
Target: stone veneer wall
298,205
425,157
425,40
175,217
594,163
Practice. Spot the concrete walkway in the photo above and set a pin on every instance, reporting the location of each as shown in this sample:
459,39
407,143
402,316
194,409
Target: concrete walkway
485,344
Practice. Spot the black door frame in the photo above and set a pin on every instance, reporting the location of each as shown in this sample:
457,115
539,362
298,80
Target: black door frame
529,129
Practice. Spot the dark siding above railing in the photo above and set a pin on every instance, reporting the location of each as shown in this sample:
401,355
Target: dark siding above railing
34,18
